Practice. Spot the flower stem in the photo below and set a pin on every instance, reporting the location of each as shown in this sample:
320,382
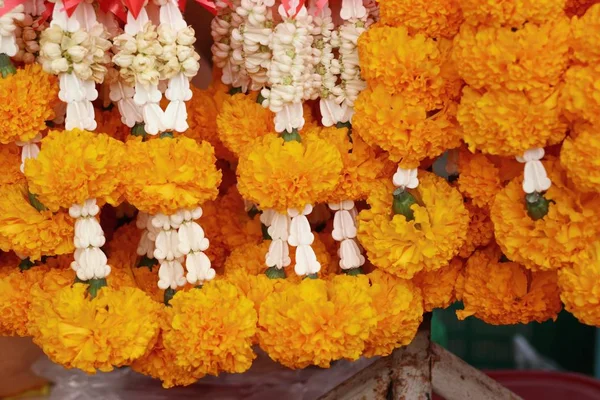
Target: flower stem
6,66
35,203
95,285
291,136
147,262
353,271
139,130
275,273
169,294
235,90
537,205
311,276
26,264
403,201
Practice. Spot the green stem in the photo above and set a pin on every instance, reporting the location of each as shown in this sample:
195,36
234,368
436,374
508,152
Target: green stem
353,271
95,285
147,262
311,276
235,90
26,264
260,99
166,135
35,203
275,273
169,294
253,212
139,130
6,66
291,136
537,205
403,201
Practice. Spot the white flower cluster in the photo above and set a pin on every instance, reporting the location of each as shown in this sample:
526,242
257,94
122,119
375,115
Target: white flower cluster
178,53
137,56
344,231
8,43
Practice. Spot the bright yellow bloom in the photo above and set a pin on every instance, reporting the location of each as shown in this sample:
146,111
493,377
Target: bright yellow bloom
506,293
478,179
31,232
558,239
414,65
578,7
512,13
10,163
108,331
74,166
509,123
438,287
169,174
241,120
585,33
580,287
579,156
481,230
28,98
210,330
317,322
531,59
281,175
410,133
580,96
428,242
433,18
398,308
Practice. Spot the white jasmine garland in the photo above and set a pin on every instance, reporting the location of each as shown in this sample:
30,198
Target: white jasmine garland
344,231
8,43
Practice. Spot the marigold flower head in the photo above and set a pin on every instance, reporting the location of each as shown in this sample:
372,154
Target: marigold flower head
241,120
28,98
418,67
432,18
580,287
478,179
10,163
579,156
531,59
410,133
506,293
256,287
512,13
579,97
438,287
317,322
210,330
169,174
508,123
109,122
281,175
585,36
74,166
111,330
428,242
558,239
480,232
28,231
398,309
578,7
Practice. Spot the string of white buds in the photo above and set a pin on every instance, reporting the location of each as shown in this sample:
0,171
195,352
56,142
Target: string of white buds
29,149
344,231
193,243
406,178
302,238
166,251
535,178
90,261
146,245
8,41
278,226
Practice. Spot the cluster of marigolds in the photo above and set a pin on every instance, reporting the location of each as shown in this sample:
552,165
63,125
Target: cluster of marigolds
345,173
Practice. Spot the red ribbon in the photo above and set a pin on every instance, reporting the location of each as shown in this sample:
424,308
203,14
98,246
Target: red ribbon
115,7
9,5
47,13
288,6
71,5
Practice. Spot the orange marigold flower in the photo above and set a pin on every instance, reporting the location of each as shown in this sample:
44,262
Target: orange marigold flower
578,7
428,242
398,309
10,163
410,133
508,123
580,97
530,59
481,230
585,36
28,98
512,13
109,122
74,166
438,287
169,174
241,120
416,66
506,293
558,239
433,18
579,156
316,322
281,175
478,179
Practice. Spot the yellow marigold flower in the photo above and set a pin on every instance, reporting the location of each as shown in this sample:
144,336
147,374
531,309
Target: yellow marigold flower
74,166
558,239
509,123
410,133
512,13
236,227
531,59
10,163
169,174
580,287
579,96
480,232
579,156
362,166
202,119
478,179
428,242
28,98
281,175
241,120
416,66
398,309
210,330
578,7
433,18
31,232
585,33
438,287
111,330
317,322
506,293
109,122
